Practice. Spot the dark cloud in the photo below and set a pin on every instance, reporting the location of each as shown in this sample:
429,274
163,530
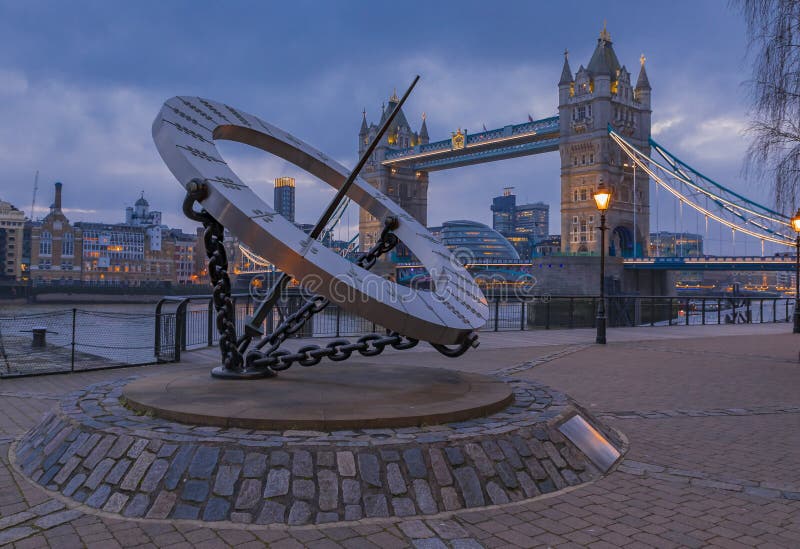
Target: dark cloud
80,83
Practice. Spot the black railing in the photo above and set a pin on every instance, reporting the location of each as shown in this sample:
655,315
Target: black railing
195,317
73,340
77,340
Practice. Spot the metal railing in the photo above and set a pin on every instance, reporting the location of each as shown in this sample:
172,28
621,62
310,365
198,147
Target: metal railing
195,316
77,340
74,340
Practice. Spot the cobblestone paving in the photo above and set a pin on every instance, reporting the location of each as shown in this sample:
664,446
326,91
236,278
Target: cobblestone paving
712,463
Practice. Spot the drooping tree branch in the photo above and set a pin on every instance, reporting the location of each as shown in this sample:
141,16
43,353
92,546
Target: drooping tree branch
773,28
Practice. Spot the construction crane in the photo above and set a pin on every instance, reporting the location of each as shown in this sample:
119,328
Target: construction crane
35,188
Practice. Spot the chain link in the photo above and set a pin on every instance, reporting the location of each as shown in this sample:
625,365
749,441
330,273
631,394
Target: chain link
213,239
273,359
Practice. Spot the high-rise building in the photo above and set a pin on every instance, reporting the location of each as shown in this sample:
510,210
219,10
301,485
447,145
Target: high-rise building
283,202
503,211
523,225
12,225
533,219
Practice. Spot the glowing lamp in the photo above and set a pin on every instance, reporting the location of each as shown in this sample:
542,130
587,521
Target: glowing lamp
796,221
602,198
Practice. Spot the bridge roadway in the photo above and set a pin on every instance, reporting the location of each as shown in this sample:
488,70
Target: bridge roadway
510,141
707,411
705,263
711,263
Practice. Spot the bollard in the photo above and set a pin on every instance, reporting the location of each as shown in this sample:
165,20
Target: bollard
39,337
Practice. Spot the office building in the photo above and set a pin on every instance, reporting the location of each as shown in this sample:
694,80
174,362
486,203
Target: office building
12,225
284,197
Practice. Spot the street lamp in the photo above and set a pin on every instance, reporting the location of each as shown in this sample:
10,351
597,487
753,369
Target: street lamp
796,227
602,198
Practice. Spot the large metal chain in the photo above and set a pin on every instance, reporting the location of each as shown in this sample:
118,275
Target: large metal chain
213,239
273,359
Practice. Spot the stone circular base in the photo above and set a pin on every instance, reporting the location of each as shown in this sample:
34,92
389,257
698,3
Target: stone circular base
345,397
95,451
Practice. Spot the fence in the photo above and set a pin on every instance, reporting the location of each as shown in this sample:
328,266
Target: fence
196,315
78,340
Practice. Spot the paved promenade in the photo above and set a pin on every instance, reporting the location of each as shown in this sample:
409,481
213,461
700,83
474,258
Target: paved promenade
712,415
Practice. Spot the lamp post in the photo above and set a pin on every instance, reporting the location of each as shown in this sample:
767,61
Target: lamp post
602,199
796,227
635,251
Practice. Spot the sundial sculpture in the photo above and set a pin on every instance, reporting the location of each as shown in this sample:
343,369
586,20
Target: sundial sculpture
445,316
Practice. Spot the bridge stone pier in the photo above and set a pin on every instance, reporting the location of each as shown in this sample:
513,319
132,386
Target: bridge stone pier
595,97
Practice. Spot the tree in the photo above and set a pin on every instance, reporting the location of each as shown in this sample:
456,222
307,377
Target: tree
773,28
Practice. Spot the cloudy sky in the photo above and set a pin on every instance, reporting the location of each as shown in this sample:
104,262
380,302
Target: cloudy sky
80,83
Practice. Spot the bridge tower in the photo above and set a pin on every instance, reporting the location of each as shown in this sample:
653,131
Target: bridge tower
598,95
405,186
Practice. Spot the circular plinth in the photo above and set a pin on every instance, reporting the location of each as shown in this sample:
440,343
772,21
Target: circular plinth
352,396
99,453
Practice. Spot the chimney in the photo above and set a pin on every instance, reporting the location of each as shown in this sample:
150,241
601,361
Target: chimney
57,203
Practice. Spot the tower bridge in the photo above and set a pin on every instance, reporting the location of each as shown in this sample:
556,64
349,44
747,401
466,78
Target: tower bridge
591,99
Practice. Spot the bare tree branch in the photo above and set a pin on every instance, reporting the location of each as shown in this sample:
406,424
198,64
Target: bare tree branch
773,28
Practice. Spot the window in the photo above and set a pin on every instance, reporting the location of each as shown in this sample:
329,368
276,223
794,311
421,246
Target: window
46,243
67,244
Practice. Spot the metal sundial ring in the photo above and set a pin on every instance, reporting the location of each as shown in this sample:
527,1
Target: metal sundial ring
437,317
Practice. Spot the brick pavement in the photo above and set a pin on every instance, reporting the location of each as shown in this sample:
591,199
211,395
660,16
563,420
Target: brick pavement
695,476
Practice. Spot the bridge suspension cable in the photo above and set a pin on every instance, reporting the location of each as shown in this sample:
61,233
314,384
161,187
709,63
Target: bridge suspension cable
688,186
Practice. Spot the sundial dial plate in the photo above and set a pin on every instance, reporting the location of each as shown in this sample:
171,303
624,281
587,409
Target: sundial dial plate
184,132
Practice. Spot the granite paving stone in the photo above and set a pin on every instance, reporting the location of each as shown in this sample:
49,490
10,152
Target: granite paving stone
482,462
300,513
255,465
394,477
137,506
424,497
226,478
116,502
302,465
277,483
99,473
403,507
178,466
351,491
345,461
271,512
303,489
369,468
162,505
195,490
249,494
216,509
440,469
204,462
154,475
415,462
185,511
375,506
328,490
470,486
137,470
